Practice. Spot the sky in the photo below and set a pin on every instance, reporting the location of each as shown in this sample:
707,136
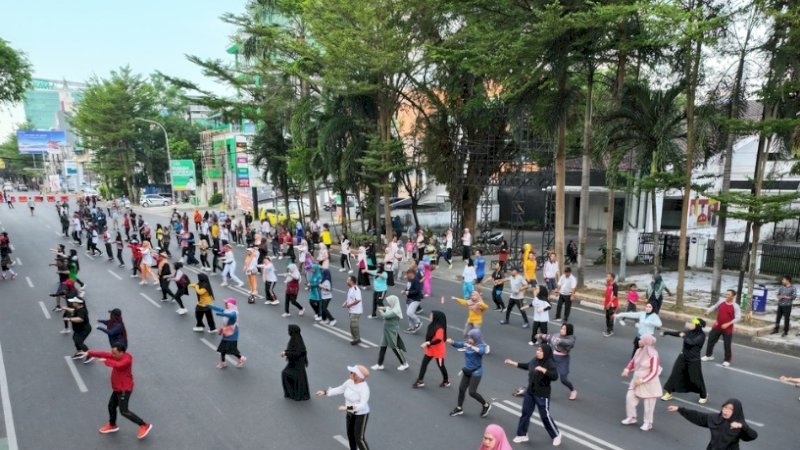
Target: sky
74,40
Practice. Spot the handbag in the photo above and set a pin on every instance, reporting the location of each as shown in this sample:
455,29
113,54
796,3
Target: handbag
227,330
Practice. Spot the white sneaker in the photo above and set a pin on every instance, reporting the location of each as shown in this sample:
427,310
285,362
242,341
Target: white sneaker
212,331
65,331
377,367
342,269
240,284
302,311
403,367
726,364
622,323
530,343
520,439
197,329
224,283
182,311
332,323
557,440
317,318
628,421
706,358
285,315
350,272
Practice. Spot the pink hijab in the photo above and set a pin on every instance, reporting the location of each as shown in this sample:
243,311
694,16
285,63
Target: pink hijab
646,352
501,441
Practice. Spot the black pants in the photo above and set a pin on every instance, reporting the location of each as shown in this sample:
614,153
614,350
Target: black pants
291,298
518,303
127,233
497,298
119,257
784,311
538,328
165,291
448,256
109,252
377,300
610,319
472,382
727,339
356,431
382,355
566,301
120,399
179,292
344,260
467,252
79,339
204,259
324,313
198,315
439,363
269,291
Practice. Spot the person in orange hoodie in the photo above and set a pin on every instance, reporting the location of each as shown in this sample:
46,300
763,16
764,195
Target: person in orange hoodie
197,219
434,347
610,303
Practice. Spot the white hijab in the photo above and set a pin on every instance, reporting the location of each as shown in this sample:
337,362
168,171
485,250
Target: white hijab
393,304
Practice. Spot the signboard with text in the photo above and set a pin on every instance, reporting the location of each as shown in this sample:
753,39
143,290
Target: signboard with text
182,175
34,142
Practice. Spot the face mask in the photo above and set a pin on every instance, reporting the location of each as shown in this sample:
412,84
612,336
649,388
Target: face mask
689,325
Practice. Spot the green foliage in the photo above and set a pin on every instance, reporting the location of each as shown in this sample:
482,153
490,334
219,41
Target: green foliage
15,74
759,209
215,199
15,162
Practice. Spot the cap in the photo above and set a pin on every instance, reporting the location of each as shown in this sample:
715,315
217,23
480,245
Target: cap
359,371
230,300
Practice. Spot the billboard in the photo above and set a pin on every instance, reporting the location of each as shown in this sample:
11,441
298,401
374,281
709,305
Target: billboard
34,142
182,175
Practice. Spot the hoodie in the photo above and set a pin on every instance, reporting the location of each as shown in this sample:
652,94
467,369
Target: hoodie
538,382
723,437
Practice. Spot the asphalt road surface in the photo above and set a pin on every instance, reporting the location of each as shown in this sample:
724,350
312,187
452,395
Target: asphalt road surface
58,404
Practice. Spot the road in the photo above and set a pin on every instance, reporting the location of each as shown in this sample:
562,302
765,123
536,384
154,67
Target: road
194,405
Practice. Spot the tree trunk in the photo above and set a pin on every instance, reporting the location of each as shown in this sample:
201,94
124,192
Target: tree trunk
743,265
656,234
312,198
345,212
561,172
610,231
585,169
414,204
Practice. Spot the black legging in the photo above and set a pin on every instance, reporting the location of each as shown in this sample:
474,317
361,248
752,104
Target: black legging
356,431
120,399
198,315
377,300
518,303
382,355
79,339
439,363
345,260
119,257
165,291
471,381
180,292
291,298
323,310
269,291
109,251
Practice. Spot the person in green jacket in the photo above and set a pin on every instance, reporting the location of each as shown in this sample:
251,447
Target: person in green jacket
391,314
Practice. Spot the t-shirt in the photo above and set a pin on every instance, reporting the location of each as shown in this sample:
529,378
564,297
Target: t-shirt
353,296
516,283
83,327
480,266
530,269
567,284
550,269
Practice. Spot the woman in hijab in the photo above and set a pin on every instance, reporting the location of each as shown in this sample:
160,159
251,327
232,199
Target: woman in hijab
655,292
434,348
645,384
475,348
391,315
229,332
562,344
647,322
494,438
687,372
727,428
295,380
114,328
541,372
292,281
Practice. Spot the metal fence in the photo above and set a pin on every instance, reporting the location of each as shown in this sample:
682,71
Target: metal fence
780,260
734,253
669,245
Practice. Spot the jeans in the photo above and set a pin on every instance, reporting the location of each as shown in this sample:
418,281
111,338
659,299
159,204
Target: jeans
784,311
411,312
497,298
713,337
120,399
551,284
354,330
543,403
230,270
356,431
472,383
439,363
566,301
562,367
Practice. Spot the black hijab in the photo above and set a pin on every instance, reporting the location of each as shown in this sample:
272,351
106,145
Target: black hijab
737,416
296,343
439,321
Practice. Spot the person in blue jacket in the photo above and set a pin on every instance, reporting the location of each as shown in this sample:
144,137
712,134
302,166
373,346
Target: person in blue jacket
114,328
472,372
229,332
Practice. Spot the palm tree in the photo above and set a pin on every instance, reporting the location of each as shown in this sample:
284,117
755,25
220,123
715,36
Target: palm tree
650,124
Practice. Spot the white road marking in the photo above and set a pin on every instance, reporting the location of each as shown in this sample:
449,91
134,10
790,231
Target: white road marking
11,433
560,425
44,310
30,283
342,440
114,274
19,262
90,256
766,351
229,358
58,233
695,405
335,331
749,373
150,300
74,370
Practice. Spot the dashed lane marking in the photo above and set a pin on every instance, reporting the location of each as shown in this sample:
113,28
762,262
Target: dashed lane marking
147,297
11,433
30,283
228,358
114,274
336,332
77,376
19,262
342,440
44,310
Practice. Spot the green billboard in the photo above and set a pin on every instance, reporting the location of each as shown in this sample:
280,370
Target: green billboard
182,171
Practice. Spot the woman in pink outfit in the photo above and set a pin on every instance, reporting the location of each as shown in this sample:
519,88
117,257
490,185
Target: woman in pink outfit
645,385
426,275
494,438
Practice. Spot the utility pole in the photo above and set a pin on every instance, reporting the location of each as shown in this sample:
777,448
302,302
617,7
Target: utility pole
169,157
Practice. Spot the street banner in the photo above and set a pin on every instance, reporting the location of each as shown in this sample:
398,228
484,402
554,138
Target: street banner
55,183
182,175
36,142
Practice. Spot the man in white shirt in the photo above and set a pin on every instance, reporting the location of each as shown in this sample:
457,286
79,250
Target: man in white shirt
466,243
518,286
354,308
566,289
550,272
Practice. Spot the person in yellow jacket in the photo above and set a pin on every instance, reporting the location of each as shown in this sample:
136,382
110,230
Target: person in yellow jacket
326,235
205,298
476,308
529,270
527,249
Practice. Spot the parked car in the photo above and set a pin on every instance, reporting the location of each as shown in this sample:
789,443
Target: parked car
273,215
22,187
87,193
154,200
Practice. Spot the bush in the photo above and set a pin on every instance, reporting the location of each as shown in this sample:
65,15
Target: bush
602,258
357,239
215,199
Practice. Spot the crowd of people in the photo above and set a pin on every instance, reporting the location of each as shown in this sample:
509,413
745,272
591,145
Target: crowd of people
209,244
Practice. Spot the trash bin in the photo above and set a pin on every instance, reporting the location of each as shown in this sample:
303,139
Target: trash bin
760,299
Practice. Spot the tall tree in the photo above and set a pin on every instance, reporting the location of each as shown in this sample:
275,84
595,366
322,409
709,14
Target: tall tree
15,74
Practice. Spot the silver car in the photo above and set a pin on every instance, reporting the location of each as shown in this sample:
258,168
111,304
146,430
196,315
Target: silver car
154,200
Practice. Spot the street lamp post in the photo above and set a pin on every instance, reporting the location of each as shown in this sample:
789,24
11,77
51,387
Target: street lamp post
169,158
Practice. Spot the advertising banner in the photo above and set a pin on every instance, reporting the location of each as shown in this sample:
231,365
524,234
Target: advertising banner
55,183
242,171
182,175
34,142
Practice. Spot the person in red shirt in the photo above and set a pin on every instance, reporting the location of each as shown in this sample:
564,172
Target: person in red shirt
121,364
610,303
434,347
728,313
